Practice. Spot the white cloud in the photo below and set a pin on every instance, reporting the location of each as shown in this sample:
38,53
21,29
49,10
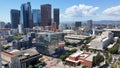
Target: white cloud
79,11
85,12
112,11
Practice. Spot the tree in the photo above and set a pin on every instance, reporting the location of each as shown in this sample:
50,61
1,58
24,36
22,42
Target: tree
97,59
81,49
119,58
37,65
63,57
94,50
30,66
67,43
6,47
73,50
114,49
73,44
106,53
84,66
103,66
108,59
113,65
81,42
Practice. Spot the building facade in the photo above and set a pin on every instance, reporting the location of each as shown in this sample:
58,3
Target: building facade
9,60
78,24
81,57
36,17
103,41
89,25
45,15
26,15
15,18
20,58
56,13
47,42
2,25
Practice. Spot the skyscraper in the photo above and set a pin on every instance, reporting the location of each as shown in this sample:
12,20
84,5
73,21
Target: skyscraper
46,15
89,24
15,18
0,56
26,15
78,24
56,17
2,25
36,17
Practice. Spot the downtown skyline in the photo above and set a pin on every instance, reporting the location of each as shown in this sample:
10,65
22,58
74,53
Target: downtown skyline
79,10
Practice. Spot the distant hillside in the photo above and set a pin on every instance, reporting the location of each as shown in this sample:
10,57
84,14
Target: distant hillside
106,22
95,22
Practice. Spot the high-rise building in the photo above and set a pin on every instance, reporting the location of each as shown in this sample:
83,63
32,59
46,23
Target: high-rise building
8,25
0,57
56,16
78,24
53,24
36,17
20,28
45,15
26,15
15,18
89,25
2,25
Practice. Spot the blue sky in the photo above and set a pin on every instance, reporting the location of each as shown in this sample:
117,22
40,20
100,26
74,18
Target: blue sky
70,10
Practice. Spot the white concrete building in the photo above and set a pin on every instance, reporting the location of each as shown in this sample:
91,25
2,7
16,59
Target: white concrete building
69,32
20,28
102,42
75,38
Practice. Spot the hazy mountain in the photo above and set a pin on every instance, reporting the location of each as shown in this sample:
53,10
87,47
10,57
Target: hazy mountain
106,22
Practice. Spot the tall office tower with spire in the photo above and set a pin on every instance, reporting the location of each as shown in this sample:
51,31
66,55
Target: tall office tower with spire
15,17
56,16
45,15
26,15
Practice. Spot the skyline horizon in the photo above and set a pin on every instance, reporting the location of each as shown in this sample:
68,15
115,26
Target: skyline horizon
76,11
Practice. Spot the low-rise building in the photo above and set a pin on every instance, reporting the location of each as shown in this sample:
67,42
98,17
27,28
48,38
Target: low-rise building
75,38
81,57
68,32
115,31
3,41
47,42
9,60
102,42
20,58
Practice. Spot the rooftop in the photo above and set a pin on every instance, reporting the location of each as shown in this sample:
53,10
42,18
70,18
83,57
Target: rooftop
76,54
8,54
49,32
4,62
112,29
90,58
24,53
83,55
77,36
